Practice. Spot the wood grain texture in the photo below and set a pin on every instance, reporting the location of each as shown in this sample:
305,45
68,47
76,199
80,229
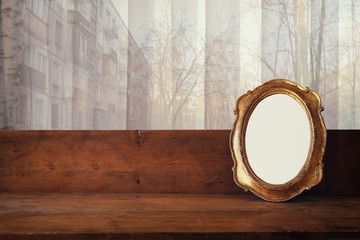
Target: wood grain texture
187,236
342,163
116,161
190,161
53,214
91,185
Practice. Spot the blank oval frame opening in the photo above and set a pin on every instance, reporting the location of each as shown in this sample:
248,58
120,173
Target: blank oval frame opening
278,140
277,148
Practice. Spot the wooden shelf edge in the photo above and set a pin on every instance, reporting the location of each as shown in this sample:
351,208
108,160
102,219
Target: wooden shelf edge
186,236
175,216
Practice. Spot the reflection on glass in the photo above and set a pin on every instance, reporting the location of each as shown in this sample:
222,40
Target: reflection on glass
161,64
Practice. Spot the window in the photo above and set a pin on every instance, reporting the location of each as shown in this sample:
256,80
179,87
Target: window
22,109
40,8
100,38
86,46
28,4
60,2
39,113
123,33
83,44
55,116
27,55
56,73
72,5
107,18
85,11
101,13
46,11
58,33
42,63
112,68
79,118
99,67
35,9
81,81
97,93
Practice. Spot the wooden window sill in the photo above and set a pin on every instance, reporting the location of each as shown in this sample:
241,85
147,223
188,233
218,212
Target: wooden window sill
162,185
176,216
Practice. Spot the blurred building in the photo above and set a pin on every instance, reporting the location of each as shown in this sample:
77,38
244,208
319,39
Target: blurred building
68,68
138,114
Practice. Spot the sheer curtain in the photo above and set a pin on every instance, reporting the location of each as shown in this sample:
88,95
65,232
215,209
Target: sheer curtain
179,64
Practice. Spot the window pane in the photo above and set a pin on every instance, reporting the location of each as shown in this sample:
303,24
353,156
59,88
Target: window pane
35,7
46,13
41,9
58,33
101,9
28,4
39,113
55,116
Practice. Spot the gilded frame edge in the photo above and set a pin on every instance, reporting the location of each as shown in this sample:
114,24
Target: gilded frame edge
312,171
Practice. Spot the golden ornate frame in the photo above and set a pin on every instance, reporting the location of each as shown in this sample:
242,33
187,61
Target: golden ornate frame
311,172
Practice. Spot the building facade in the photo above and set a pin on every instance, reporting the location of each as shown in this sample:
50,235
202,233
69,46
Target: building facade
68,68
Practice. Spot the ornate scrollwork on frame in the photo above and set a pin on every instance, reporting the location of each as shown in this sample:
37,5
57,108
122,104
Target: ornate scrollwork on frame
246,175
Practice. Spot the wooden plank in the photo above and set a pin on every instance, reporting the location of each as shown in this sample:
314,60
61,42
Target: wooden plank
76,214
148,162
187,236
342,163
116,161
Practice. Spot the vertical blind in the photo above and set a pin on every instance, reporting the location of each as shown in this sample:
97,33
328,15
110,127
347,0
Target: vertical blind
179,64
